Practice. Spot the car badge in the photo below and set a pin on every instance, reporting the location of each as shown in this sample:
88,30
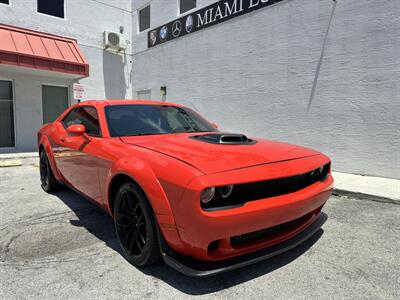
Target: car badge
176,28
163,33
153,37
189,24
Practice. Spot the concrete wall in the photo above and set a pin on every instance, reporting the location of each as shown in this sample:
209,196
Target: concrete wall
110,74
254,74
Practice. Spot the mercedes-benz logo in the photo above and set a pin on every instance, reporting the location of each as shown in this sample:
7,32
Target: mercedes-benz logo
176,28
163,33
189,24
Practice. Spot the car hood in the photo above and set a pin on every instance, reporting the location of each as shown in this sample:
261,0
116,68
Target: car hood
214,158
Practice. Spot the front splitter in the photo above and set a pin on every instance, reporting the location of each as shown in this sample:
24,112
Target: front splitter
196,268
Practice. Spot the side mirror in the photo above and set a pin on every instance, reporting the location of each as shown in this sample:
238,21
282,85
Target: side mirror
214,125
76,129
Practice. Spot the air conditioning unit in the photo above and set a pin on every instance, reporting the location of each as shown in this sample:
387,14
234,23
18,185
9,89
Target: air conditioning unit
114,41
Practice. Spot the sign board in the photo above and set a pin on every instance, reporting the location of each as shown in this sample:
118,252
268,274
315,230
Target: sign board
79,91
210,15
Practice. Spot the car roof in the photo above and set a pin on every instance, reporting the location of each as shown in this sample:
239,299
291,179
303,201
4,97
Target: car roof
126,101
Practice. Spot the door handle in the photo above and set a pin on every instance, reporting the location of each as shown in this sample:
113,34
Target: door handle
62,140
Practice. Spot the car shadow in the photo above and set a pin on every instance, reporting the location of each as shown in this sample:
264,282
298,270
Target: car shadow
100,224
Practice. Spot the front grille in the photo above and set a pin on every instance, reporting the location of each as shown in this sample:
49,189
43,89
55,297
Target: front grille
269,233
246,192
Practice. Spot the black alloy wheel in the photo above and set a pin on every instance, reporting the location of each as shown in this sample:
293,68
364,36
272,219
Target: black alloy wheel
48,182
135,226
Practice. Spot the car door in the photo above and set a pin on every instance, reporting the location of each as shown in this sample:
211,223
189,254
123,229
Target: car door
75,155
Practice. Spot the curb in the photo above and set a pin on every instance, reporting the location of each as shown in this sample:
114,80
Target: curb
362,196
10,163
4,156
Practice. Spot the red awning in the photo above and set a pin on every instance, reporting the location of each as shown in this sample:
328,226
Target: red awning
27,48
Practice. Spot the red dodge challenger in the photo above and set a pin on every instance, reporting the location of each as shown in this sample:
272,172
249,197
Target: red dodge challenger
205,201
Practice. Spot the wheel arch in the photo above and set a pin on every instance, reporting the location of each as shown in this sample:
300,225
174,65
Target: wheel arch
116,182
142,175
149,185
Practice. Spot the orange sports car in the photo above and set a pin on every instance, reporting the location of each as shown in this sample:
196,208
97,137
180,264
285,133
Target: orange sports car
205,201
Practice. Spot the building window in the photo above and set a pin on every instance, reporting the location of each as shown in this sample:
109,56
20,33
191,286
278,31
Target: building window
7,138
5,2
53,8
186,5
144,18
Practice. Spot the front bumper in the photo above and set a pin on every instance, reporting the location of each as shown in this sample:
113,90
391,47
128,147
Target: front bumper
201,230
196,268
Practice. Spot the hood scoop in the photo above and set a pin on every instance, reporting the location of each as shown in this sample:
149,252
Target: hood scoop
224,139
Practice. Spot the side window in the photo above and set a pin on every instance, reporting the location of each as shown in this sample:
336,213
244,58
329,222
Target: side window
72,118
85,115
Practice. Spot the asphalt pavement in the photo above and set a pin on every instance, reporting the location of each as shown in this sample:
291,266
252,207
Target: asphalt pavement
62,247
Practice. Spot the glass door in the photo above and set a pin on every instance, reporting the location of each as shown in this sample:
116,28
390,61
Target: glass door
7,134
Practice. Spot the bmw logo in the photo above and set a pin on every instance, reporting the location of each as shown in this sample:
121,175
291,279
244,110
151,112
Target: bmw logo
163,33
189,24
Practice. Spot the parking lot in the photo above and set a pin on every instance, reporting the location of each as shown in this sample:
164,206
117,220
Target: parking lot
61,246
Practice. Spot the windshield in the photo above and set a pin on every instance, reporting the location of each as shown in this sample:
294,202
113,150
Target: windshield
138,119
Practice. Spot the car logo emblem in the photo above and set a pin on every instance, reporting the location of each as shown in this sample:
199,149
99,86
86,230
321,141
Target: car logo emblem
163,33
189,24
153,37
176,28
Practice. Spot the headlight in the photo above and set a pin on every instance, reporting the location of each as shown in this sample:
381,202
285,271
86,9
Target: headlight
226,191
207,194
317,172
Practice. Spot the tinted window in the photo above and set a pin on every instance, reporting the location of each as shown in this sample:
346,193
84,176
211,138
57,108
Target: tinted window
85,115
144,18
51,7
5,1
128,120
185,5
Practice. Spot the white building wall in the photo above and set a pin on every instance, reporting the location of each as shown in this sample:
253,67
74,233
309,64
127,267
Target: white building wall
254,74
85,21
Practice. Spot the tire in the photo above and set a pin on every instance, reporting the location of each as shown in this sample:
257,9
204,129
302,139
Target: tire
135,226
48,182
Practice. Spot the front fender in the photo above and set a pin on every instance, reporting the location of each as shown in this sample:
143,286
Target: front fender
144,176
